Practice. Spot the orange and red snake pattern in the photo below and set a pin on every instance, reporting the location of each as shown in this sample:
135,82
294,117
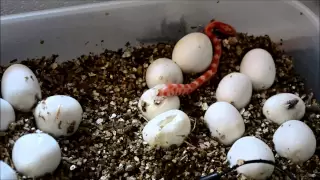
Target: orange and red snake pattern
185,89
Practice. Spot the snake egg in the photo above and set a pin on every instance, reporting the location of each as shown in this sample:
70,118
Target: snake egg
7,114
151,105
20,87
259,66
295,141
36,154
6,172
224,122
236,89
193,53
58,115
282,107
163,71
166,129
251,148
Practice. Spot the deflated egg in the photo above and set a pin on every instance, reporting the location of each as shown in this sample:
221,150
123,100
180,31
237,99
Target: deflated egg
151,105
58,115
166,129
259,65
193,53
282,107
251,148
36,154
20,87
224,122
163,71
7,114
295,140
6,172
235,88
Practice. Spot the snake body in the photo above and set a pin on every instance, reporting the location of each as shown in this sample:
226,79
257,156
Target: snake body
186,89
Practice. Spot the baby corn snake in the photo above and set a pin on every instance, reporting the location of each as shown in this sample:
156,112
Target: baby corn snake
185,89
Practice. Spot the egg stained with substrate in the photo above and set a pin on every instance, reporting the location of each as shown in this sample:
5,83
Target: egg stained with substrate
6,172
259,66
20,87
168,128
282,107
193,53
163,71
235,88
150,104
224,122
251,148
36,154
295,141
58,115
7,115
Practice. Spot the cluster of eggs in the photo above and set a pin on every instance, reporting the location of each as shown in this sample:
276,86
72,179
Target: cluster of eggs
167,125
38,153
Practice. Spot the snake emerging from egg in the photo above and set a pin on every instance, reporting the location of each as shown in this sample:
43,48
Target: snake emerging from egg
186,89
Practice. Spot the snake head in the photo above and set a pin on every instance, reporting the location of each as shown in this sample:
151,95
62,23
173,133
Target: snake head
225,29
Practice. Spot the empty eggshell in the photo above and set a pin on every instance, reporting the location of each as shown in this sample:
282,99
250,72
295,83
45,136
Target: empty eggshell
151,105
193,53
163,71
166,129
224,122
259,65
20,87
7,114
235,88
58,115
6,172
282,107
36,154
295,141
251,148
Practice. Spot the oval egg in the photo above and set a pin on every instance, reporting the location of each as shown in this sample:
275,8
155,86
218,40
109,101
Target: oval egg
20,87
193,53
58,115
259,66
7,114
6,172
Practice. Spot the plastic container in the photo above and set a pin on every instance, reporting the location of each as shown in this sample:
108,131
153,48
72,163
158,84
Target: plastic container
73,31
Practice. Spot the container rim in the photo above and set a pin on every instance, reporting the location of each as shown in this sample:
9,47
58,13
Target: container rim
120,4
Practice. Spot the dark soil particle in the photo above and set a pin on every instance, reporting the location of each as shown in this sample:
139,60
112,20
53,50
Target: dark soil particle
108,143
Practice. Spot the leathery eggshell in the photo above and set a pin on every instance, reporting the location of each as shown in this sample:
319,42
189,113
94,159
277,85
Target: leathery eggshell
58,115
166,129
282,107
224,122
6,172
295,141
7,114
193,53
259,66
251,148
151,105
163,71
236,89
20,87
36,154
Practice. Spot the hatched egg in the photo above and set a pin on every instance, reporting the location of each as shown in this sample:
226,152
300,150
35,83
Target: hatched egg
259,66
163,71
36,154
251,148
295,141
282,107
58,115
224,122
20,87
166,129
193,53
7,114
7,172
151,105
236,89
